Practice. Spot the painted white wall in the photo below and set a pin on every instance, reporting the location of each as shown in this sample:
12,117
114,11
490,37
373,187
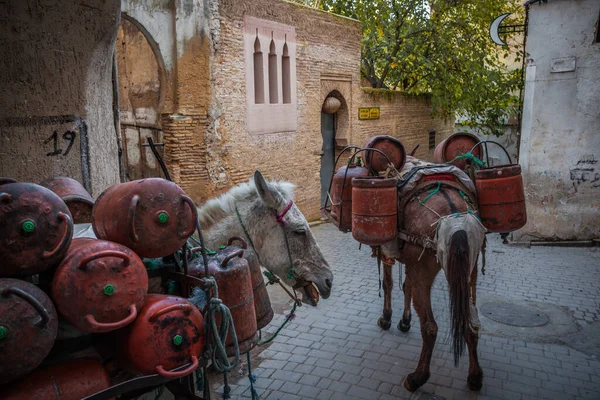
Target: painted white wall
560,139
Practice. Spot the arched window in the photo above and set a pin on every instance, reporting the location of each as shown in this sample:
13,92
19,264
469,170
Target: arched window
273,92
285,75
259,82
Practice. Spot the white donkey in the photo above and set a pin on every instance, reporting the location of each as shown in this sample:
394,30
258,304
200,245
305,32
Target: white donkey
265,213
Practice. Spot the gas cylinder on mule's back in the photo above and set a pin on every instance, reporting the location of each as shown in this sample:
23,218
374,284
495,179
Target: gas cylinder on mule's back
501,198
374,210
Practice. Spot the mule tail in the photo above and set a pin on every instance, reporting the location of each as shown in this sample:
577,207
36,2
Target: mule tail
458,270
459,240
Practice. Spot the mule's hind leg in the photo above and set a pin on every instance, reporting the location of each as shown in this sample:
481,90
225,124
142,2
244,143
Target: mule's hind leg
475,379
404,324
385,321
421,292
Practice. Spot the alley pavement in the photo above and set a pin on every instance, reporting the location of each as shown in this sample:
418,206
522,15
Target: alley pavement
337,351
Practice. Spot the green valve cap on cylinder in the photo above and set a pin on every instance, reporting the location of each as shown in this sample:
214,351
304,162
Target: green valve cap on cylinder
222,247
109,289
3,332
177,340
28,226
163,217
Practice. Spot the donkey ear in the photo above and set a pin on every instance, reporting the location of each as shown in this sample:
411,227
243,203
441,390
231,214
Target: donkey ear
269,196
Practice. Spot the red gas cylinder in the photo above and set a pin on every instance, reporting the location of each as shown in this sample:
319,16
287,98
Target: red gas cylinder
74,195
501,198
100,285
388,145
167,334
28,327
232,274
35,229
374,210
341,195
72,380
262,303
456,145
153,217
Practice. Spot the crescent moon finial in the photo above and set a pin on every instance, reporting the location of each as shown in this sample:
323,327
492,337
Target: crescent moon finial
494,34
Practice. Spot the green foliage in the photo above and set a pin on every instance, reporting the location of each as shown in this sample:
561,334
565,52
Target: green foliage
441,47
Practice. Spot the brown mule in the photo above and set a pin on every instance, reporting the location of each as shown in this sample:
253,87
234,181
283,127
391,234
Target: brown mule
422,266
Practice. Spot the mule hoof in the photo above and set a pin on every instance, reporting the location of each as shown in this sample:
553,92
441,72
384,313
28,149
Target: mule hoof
475,382
384,323
413,382
404,326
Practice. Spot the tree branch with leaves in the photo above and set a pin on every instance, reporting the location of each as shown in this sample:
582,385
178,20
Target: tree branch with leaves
440,47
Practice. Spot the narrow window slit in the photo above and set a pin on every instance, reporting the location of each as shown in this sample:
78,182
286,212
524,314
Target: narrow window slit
259,80
285,75
273,90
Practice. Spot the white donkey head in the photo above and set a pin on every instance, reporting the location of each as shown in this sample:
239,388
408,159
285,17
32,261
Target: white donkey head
265,212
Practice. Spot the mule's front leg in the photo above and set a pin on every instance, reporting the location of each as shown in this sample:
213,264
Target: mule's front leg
388,284
429,329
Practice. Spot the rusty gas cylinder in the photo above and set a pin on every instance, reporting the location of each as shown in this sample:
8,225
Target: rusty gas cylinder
262,303
167,334
74,195
153,217
35,229
4,181
501,198
456,145
232,274
28,327
374,210
99,286
341,195
388,145
71,380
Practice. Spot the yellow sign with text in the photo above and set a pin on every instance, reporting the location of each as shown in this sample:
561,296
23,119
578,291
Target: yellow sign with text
368,113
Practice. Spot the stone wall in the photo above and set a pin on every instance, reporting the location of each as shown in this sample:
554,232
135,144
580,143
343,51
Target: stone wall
560,140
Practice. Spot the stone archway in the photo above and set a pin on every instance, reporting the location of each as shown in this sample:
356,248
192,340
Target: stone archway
142,81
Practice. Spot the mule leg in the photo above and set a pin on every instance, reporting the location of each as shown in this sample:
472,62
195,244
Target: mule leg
404,324
475,378
429,329
385,321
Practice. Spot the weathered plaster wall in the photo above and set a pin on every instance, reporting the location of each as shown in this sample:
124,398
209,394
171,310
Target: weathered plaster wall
560,143
327,61
55,74
178,32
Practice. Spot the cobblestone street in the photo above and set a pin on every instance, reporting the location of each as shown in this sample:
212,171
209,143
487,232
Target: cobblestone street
336,351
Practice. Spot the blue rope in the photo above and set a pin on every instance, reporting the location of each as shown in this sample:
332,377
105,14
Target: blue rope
432,192
251,378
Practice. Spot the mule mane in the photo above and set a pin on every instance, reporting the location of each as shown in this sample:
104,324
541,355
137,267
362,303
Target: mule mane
221,207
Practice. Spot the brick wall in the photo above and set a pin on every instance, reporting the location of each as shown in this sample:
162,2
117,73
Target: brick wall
327,59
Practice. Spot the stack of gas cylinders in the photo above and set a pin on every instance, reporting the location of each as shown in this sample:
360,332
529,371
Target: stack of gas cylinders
56,289
366,203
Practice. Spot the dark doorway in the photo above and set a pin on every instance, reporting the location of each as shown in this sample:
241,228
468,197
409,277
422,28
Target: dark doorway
327,153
